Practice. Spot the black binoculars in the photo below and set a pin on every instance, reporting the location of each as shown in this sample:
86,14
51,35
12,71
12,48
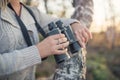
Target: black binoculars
74,46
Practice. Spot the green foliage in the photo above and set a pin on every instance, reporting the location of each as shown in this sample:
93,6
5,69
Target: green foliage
99,71
97,67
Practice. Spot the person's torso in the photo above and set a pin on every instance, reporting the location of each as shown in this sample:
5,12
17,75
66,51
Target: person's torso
11,39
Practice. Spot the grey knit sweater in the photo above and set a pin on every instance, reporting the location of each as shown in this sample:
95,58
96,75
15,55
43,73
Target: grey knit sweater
17,61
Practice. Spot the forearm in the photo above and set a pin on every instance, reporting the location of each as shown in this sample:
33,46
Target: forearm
18,60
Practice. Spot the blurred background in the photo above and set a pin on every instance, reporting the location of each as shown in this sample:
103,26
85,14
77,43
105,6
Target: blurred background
103,51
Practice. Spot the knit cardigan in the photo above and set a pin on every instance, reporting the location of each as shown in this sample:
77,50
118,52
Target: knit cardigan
17,61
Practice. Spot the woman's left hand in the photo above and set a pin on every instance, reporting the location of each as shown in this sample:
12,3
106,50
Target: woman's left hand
82,34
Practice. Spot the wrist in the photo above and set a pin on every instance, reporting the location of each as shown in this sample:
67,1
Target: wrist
40,51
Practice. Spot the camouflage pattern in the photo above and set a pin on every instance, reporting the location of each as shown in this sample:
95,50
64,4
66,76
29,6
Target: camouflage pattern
83,11
75,67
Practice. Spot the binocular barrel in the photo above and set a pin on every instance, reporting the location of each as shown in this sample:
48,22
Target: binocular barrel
54,30
74,45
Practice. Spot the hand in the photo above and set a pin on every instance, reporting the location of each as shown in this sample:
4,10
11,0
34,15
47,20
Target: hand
82,33
55,44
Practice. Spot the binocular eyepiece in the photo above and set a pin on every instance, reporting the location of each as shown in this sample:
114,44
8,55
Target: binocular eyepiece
74,46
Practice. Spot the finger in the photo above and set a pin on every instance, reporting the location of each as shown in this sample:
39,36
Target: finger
88,32
85,35
61,51
61,40
80,41
82,38
57,36
62,46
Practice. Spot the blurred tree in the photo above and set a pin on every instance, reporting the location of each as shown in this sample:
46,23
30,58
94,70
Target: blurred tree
110,33
32,2
45,1
75,68
28,2
83,11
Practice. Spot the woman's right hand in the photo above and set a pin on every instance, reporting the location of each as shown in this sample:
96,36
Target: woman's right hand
55,44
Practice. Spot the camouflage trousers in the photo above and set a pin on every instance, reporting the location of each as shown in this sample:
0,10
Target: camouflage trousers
73,68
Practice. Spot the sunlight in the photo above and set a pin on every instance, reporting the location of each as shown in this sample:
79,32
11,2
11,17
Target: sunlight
103,12
99,13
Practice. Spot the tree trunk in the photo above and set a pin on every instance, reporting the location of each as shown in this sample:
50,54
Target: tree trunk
83,11
72,69
75,67
111,33
45,1
28,2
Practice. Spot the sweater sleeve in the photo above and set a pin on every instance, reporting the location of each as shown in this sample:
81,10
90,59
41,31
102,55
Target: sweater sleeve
18,60
44,19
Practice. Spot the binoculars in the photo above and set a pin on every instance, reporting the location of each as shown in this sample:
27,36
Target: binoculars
57,28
